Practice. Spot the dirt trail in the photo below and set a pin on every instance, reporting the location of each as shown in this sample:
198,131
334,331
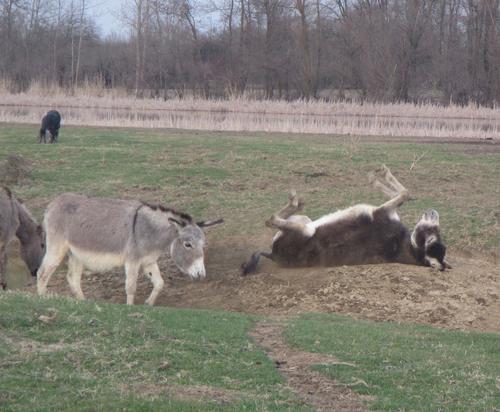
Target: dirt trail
312,387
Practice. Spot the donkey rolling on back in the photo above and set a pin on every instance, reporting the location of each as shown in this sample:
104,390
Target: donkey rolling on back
100,234
51,122
15,220
361,234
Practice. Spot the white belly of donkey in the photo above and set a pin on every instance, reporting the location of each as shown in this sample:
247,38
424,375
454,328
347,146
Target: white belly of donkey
97,261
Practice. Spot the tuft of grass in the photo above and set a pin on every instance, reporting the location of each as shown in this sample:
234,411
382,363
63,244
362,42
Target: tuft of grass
405,367
56,353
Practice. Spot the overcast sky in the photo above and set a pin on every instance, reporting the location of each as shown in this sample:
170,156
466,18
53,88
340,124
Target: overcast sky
106,14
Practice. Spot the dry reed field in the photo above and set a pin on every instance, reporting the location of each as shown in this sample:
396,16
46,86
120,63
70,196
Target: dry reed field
92,105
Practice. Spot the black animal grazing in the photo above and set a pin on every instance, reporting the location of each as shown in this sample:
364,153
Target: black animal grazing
51,122
361,234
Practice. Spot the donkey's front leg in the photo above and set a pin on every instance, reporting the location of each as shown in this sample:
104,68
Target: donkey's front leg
294,205
131,274
74,276
280,219
153,272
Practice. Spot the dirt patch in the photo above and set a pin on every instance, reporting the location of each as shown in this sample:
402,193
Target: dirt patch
15,170
312,387
466,297
27,346
185,392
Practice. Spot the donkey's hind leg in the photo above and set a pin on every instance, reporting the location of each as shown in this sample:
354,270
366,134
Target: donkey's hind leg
74,277
53,257
385,181
391,187
153,272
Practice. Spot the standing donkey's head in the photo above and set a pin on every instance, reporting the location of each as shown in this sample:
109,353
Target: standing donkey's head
32,239
426,241
32,251
187,248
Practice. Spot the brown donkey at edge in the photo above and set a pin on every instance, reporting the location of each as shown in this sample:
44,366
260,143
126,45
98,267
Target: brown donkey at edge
16,220
361,234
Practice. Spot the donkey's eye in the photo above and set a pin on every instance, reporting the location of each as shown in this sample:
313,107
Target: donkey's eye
188,245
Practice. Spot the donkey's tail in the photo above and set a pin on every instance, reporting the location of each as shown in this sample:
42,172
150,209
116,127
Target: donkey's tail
251,265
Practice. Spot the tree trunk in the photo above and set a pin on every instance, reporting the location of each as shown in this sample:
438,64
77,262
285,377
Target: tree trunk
307,70
80,37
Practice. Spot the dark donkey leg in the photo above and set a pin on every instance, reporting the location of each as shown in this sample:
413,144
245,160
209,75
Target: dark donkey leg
54,133
3,266
42,136
251,265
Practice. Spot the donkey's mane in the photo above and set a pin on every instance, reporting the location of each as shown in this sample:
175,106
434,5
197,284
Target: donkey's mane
182,215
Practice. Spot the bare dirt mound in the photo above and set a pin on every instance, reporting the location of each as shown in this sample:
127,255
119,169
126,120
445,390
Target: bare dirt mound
466,297
312,387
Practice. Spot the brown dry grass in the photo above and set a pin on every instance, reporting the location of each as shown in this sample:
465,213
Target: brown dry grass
96,106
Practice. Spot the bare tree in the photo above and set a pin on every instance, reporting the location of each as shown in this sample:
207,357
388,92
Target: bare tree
307,65
382,49
80,37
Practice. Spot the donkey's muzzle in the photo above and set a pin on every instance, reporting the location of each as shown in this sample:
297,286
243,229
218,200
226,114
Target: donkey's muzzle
197,270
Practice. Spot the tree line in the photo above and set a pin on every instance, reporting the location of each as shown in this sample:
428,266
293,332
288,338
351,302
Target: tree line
384,50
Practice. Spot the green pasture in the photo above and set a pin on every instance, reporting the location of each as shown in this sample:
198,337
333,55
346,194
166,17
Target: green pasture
244,177
59,354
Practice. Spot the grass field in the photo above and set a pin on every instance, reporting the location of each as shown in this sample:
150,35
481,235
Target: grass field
56,353
115,357
245,177
406,367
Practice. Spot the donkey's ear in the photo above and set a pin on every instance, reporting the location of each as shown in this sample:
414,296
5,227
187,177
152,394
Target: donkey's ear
177,223
208,223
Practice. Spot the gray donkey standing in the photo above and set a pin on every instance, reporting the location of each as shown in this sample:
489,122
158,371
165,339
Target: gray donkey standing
15,220
101,233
